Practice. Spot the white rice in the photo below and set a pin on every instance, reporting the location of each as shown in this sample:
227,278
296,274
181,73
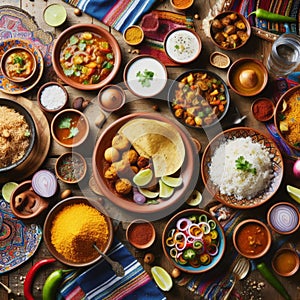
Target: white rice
241,184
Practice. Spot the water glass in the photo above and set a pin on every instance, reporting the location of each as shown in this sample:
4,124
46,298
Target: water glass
285,55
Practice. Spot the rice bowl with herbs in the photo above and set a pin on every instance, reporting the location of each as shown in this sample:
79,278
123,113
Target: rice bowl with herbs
241,167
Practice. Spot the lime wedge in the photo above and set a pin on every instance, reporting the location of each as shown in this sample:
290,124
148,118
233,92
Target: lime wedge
293,192
147,193
194,199
143,177
162,278
165,191
7,190
172,181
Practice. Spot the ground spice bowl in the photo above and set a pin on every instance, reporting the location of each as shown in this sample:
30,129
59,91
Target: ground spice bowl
140,233
182,5
263,109
133,35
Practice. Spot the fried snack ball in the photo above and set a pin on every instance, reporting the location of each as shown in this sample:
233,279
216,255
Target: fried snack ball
111,154
130,156
142,162
123,186
120,165
111,173
120,142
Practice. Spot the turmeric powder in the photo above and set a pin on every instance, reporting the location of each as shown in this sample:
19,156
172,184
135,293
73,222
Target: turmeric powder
133,35
75,229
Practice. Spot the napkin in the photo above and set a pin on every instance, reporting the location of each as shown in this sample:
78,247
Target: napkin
100,282
118,14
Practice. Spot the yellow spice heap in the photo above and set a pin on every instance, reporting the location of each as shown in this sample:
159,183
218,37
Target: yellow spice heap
74,231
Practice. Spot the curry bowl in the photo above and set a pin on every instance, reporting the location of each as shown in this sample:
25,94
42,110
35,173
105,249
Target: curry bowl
252,238
19,133
193,241
133,180
70,239
286,117
198,98
70,128
245,183
86,57
247,76
230,30
286,262
18,64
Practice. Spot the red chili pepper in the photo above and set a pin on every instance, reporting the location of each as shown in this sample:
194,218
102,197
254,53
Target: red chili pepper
31,274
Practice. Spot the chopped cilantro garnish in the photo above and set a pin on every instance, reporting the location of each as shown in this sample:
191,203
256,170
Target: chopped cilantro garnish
244,165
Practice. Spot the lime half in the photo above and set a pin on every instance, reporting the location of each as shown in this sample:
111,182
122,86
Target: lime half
165,191
172,181
162,278
7,190
143,177
147,193
293,192
194,199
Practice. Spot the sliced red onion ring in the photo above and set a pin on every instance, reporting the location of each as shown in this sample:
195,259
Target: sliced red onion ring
205,226
44,183
212,249
183,224
284,218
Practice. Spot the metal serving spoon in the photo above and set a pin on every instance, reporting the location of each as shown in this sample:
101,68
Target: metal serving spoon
116,266
239,120
240,270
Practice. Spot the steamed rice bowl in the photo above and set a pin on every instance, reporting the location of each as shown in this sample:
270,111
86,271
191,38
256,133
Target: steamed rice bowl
241,183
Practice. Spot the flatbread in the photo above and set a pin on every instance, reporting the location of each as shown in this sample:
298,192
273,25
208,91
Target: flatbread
156,140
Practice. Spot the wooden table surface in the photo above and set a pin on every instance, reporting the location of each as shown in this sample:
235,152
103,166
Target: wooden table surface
256,48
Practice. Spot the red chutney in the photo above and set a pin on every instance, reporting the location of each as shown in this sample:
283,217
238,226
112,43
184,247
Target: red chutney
140,233
263,109
252,239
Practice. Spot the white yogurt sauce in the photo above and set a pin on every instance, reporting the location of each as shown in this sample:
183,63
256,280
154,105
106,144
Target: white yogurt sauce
156,85
182,46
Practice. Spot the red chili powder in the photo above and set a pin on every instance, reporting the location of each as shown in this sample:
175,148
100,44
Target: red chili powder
140,233
263,109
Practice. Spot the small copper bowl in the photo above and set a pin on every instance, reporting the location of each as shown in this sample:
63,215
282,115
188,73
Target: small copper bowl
263,109
252,238
286,262
52,97
25,57
181,7
140,234
133,35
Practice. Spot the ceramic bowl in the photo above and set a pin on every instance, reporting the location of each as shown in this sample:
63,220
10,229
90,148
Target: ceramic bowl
52,97
256,137
70,167
286,118
24,59
197,227
247,77
25,203
182,45
219,60
111,98
284,218
226,33
145,76
70,128
32,128
199,114
133,35
141,234
252,238
263,109
66,76
48,226
180,6
285,262
187,171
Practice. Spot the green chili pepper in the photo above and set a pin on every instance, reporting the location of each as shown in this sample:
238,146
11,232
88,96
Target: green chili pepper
189,254
269,276
266,15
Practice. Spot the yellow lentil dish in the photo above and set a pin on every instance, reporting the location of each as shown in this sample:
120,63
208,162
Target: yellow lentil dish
289,124
74,231
87,58
199,99
14,136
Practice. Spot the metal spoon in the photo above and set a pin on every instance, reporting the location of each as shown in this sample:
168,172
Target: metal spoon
116,266
239,120
240,270
9,291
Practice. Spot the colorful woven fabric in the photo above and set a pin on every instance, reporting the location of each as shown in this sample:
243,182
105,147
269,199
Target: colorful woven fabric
100,282
285,7
118,14
154,40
